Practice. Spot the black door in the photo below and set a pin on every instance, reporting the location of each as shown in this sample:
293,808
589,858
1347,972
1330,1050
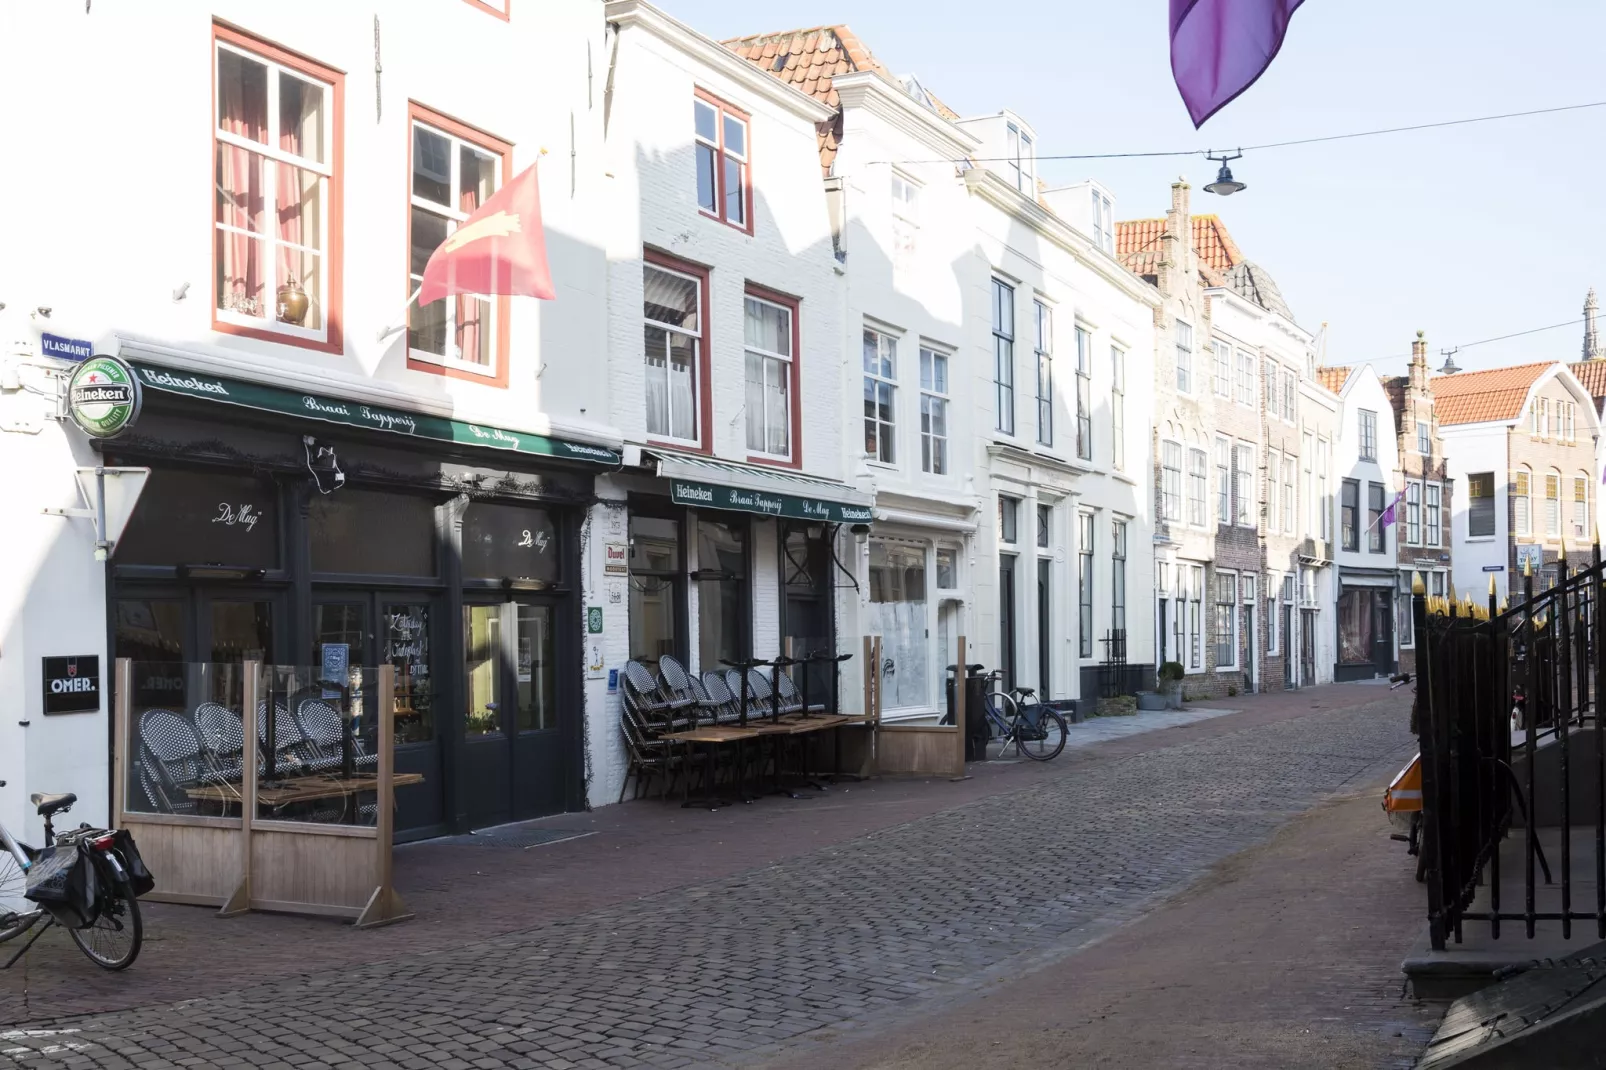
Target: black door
1006,618
362,629
1288,645
808,624
1383,631
515,755
1307,648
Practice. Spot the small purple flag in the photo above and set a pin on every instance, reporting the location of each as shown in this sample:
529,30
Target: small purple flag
1388,514
1220,47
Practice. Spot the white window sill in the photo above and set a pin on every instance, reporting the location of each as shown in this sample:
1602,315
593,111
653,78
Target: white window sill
422,357
884,466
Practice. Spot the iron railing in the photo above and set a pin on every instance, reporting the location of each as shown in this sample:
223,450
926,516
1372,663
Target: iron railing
1496,690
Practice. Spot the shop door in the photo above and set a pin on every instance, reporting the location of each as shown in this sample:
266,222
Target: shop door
808,625
1288,649
1006,618
514,757
1383,631
1044,629
1307,647
353,630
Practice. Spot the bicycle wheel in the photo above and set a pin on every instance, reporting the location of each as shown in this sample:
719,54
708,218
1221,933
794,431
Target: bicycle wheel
114,940
1046,740
17,915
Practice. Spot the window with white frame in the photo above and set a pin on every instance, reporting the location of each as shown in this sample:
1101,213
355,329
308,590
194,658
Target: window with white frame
1190,592
722,158
451,178
1307,456
1413,514
1084,394
1226,622
274,182
1008,519
1288,494
880,396
1221,381
1103,223
1246,379
1184,357
1480,504
1553,503
1323,506
1431,532
1044,350
1569,424
1368,434
767,331
905,218
1118,580
1273,632
1580,507
1243,485
1404,617
1045,525
1223,481
672,315
1118,408
933,411
1171,480
1436,584
1268,376
1196,486
1424,440
1290,395
1004,355
1521,502
1021,161
1543,422
1274,464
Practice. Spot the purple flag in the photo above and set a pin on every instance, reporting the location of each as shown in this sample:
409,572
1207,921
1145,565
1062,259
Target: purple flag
1220,47
1388,514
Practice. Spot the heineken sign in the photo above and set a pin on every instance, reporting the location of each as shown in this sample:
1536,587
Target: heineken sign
710,496
103,397
358,414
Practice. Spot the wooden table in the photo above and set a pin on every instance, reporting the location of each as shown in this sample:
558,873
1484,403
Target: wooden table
301,789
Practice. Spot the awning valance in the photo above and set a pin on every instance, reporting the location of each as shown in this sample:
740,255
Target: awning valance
361,414
704,483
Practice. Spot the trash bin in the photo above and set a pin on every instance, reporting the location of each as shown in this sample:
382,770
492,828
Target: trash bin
975,726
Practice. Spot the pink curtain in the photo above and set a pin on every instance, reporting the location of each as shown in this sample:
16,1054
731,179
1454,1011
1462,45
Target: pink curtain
299,110
240,187
470,312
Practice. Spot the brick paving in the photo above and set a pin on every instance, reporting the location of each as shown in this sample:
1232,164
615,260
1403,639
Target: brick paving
1032,864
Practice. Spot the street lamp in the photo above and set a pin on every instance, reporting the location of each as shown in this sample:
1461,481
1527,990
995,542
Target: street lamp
1224,184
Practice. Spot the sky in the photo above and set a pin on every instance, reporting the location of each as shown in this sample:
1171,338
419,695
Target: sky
1467,233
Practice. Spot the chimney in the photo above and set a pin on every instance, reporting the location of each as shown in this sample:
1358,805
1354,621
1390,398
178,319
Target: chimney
1176,253
1418,378
1592,348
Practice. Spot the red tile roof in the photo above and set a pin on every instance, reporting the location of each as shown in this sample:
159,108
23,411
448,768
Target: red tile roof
1137,244
1592,373
1334,378
1480,397
810,59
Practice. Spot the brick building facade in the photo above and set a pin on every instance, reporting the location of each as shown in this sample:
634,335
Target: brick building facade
1423,546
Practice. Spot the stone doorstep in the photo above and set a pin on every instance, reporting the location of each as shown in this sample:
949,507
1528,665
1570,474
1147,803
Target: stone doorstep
1475,962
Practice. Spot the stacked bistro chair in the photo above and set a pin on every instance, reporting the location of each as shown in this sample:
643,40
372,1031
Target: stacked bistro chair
324,728
790,695
173,761
650,710
294,753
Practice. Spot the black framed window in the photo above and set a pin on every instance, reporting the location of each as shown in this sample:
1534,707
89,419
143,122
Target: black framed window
1374,518
722,592
203,518
373,532
513,542
657,587
1348,514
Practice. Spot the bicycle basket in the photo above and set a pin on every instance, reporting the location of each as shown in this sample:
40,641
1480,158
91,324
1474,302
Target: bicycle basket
65,881
1030,725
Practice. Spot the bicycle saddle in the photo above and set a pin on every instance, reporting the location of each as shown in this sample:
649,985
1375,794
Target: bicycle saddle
50,804
1028,692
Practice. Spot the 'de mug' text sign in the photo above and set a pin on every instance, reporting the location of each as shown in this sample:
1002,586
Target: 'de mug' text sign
72,683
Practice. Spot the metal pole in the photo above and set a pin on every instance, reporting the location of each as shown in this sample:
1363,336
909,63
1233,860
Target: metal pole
1499,693
1597,629
1563,638
1429,755
1531,711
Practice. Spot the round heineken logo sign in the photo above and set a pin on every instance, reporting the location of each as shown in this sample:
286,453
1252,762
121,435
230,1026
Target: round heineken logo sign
103,397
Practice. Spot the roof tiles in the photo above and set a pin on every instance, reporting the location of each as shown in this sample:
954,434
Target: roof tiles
1137,244
1481,397
1592,373
1334,378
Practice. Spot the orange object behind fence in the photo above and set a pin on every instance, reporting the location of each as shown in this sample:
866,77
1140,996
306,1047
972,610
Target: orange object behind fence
1404,793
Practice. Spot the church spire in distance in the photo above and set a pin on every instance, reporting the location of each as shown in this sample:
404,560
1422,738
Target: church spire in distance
1592,348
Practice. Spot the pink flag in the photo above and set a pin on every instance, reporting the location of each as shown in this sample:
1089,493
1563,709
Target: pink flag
500,249
1220,47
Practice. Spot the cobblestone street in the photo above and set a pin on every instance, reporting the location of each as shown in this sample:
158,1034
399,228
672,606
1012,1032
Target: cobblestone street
865,933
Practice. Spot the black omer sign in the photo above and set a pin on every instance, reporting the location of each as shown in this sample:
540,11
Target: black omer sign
72,684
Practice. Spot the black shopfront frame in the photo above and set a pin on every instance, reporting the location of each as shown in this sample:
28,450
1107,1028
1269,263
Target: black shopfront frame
178,435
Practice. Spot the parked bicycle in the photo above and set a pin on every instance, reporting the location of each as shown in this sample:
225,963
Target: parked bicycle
86,881
1017,717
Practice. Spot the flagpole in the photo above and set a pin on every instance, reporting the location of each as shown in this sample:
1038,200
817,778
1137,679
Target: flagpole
386,332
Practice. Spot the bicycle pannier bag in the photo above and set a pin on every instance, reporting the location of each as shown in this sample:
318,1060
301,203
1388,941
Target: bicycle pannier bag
65,881
139,878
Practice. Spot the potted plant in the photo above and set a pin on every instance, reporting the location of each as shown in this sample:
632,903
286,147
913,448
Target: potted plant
1170,683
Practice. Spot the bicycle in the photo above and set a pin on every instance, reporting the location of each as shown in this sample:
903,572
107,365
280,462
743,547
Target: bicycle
1016,716
113,939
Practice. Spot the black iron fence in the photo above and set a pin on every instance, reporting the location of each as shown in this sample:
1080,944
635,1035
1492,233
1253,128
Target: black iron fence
1511,746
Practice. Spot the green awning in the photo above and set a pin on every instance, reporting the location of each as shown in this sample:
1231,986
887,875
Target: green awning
360,414
704,483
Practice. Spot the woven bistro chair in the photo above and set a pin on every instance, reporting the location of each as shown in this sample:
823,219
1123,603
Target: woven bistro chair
655,702
222,735
759,685
675,680
648,755
733,681
728,708
790,695
295,753
323,726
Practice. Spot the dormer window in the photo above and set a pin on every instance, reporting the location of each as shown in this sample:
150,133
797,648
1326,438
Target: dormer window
1021,159
1103,223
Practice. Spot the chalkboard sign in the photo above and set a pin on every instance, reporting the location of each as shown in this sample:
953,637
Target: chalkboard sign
72,684
203,518
509,542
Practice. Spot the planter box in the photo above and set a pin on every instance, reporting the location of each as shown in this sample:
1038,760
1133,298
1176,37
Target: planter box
1152,700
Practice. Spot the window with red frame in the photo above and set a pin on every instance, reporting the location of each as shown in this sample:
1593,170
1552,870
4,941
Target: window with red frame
275,192
722,157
